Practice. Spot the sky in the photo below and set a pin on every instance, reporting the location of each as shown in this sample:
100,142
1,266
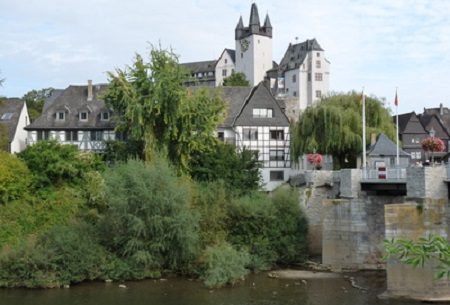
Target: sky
383,46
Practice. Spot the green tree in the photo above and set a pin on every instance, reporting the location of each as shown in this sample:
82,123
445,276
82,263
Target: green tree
241,172
4,137
14,178
411,252
35,100
334,127
156,108
53,164
236,79
149,222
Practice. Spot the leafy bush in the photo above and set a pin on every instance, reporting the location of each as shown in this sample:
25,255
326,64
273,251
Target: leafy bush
62,255
14,178
149,222
224,264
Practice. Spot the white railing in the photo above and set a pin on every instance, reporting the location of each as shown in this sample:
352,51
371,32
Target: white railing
383,174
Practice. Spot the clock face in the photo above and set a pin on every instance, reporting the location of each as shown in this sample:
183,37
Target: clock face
244,44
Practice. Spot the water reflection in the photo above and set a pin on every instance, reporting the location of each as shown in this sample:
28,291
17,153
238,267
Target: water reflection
256,289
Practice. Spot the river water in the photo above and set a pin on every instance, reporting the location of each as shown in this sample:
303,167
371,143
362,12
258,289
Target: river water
255,290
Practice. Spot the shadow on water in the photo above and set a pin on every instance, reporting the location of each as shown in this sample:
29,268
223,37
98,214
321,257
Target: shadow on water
256,289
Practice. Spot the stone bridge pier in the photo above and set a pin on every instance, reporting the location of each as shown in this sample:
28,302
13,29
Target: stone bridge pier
348,225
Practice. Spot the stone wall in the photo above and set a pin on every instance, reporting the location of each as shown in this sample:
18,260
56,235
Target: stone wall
426,182
353,232
412,220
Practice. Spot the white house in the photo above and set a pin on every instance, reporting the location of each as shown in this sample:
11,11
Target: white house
77,116
14,116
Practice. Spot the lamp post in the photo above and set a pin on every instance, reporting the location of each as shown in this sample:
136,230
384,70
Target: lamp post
432,134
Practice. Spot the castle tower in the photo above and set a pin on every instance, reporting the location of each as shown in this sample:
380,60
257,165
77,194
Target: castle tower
254,47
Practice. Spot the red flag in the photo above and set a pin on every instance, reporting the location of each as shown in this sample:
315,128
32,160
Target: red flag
396,99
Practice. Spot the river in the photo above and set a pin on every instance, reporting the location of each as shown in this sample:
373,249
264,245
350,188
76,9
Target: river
255,290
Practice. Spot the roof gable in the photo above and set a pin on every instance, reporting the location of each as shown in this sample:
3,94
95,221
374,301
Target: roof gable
13,107
385,147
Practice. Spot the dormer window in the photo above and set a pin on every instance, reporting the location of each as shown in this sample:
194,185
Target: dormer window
83,116
105,116
262,112
60,116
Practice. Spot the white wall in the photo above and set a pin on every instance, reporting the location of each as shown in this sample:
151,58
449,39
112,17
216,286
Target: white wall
19,142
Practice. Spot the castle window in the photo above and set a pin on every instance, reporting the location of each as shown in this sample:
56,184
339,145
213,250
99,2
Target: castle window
318,54
224,72
242,55
294,93
318,64
262,112
318,77
294,78
226,60
250,133
318,93
309,77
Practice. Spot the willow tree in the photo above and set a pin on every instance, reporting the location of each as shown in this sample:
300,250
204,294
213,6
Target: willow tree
334,127
155,107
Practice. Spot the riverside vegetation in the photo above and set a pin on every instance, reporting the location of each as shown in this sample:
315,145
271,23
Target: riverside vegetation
66,217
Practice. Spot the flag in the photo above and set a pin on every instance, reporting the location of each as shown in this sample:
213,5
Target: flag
396,99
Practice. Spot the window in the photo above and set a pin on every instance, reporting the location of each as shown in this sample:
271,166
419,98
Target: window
96,135
7,116
224,72
276,175
250,133
294,93
318,64
318,77
60,116
105,116
83,116
226,60
318,54
43,135
276,155
318,94
277,134
262,112
72,135
418,155
309,77
221,136
294,78
242,55
121,136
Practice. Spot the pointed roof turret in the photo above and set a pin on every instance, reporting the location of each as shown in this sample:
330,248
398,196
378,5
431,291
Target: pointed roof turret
254,16
240,24
267,23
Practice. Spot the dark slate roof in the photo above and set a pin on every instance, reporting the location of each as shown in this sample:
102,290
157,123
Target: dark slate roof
254,26
14,106
72,101
403,120
55,94
385,147
296,53
201,66
260,97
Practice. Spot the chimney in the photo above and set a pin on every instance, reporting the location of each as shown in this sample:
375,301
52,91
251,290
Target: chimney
442,109
90,95
373,139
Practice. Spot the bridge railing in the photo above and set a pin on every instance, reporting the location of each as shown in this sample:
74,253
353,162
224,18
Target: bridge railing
384,173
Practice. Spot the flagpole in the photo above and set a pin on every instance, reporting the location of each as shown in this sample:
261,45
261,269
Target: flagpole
396,114
364,130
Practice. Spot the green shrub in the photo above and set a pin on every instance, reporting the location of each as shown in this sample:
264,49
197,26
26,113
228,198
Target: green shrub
14,178
224,264
149,222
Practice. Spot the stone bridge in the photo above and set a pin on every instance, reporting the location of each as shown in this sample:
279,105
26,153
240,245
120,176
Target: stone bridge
349,222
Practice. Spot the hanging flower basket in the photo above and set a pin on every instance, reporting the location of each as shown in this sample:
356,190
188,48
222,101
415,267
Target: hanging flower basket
316,160
433,145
